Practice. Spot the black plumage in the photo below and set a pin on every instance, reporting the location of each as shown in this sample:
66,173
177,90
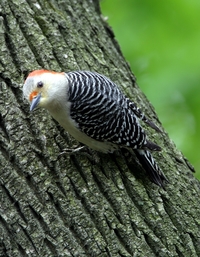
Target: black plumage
104,113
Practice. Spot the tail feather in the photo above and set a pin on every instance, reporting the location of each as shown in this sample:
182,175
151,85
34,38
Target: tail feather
154,172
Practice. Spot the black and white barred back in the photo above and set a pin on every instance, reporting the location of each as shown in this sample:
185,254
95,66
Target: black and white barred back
104,113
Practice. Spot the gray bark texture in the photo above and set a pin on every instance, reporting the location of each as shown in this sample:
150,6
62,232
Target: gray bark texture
52,205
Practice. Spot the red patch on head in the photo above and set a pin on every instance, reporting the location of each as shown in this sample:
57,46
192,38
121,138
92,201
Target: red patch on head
40,72
32,95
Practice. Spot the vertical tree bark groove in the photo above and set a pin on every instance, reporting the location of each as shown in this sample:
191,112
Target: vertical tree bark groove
58,205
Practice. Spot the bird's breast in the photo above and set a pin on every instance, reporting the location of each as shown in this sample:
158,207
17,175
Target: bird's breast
71,127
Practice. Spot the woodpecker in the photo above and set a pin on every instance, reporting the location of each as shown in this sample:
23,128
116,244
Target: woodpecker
95,112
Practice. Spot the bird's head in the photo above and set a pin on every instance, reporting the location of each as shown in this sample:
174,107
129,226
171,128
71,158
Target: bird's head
41,88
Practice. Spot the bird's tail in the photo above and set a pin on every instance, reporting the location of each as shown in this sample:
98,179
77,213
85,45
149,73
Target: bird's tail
154,172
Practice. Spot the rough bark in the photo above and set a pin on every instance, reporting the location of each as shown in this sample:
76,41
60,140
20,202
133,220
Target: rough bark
71,206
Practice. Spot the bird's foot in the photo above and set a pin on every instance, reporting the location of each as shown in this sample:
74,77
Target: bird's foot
92,155
73,151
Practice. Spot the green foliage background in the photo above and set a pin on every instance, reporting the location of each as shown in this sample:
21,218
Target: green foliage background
161,41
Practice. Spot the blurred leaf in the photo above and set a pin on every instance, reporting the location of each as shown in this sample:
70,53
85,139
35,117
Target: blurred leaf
161,41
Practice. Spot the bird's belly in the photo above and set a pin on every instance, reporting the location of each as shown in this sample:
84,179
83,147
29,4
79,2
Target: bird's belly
70,126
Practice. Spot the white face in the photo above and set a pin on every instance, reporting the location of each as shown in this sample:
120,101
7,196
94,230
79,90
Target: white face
42,87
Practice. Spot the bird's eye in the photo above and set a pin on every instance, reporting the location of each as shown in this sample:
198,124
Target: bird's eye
40,84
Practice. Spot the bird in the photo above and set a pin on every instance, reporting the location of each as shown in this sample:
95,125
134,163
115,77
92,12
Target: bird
92,109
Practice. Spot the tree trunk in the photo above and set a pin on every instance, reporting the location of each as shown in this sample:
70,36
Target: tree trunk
54,205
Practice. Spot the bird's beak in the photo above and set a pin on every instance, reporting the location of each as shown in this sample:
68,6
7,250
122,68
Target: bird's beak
35,102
